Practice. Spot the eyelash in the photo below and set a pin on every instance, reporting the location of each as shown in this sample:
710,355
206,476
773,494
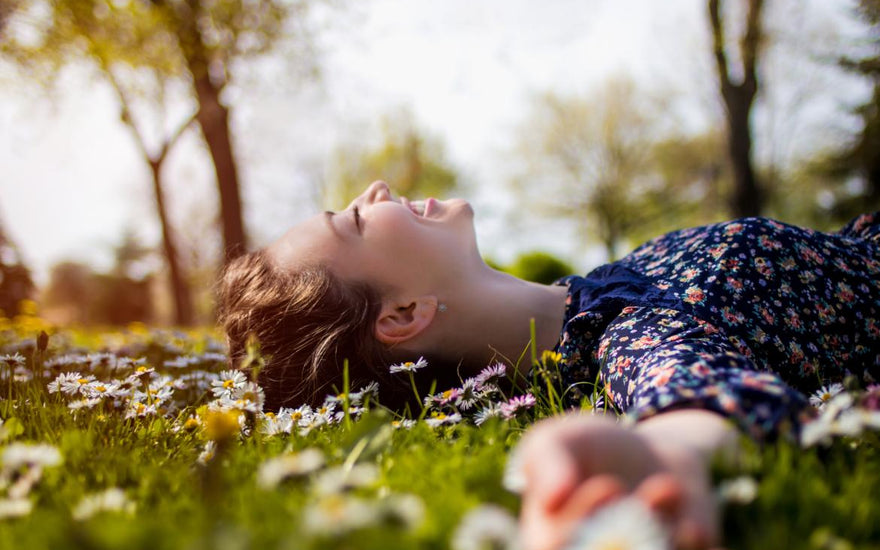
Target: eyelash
357,218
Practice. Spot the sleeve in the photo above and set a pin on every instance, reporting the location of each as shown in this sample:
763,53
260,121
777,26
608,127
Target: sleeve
657,360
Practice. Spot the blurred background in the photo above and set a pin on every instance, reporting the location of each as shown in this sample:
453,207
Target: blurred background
144,142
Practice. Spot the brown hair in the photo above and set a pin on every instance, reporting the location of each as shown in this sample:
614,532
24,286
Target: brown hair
307,322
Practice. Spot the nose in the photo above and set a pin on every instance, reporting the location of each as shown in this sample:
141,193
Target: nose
377,191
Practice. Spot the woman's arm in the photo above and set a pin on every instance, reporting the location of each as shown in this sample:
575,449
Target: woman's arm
574,465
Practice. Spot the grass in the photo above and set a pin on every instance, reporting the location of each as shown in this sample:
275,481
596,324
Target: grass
379,486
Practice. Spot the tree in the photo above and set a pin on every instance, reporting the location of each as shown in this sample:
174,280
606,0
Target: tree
588,158
413,163
856,167
15,278
195,43
738,87
77,294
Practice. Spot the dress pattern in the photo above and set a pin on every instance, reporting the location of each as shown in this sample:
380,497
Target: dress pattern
742,318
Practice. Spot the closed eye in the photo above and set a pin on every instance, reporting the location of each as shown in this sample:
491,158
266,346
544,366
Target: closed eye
357,218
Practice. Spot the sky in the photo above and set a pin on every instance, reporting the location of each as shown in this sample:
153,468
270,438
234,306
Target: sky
72,180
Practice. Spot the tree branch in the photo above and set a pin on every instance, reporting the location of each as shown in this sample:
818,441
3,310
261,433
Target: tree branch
751,41
718,45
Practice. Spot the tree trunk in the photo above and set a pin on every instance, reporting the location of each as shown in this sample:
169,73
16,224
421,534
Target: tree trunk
747,198
213,119
183,306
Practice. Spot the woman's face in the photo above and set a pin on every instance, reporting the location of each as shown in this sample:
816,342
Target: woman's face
391,243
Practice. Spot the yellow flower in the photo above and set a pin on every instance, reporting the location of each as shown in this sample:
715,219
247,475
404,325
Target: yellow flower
222,425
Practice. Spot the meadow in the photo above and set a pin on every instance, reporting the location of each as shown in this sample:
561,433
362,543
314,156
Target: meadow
141,438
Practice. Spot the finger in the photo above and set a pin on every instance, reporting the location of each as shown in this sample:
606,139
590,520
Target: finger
591,495
692,535
551,474
663,494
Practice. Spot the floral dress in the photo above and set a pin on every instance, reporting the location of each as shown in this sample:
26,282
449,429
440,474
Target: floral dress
742,318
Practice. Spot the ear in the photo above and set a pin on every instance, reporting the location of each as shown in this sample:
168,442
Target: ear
402,320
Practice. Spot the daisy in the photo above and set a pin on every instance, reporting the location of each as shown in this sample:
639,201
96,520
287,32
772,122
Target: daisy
517,404
275,470
824,395
274,424
228,382
16,359
740,490
137,409
15,508
492,410
439,419
207,453
104,390
111,500
339,479
408,366
88,403
486,526
181,362
405,424
338,514
62,381
469,395
16,455
405,510
498,370
625,525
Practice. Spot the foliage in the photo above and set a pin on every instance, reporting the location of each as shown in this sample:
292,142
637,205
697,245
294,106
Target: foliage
148,443
609,162
412,162
539,267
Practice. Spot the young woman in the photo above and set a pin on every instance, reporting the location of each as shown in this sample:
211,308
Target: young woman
734,321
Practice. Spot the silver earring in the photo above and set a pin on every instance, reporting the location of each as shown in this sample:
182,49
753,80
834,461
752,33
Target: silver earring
441,307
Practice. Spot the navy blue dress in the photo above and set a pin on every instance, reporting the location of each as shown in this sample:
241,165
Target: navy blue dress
743,318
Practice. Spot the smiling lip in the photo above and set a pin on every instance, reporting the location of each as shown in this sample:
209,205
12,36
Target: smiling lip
430,204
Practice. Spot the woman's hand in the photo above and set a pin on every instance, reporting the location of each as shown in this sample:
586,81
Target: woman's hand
576,464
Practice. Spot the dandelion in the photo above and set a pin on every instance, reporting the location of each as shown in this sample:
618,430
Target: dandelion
408,366
486,526
824,395
275,470
111,500
228,383
517,404
624,525
222,425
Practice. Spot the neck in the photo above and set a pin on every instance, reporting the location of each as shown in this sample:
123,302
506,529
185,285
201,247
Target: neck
490,318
